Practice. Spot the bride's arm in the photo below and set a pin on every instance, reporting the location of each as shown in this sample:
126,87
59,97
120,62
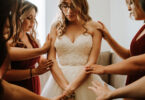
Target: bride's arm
97,37
55,70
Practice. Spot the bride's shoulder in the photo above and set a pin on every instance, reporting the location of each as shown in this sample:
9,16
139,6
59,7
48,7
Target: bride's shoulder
53,31
92,26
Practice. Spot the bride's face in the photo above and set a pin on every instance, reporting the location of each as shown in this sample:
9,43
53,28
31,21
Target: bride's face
69,10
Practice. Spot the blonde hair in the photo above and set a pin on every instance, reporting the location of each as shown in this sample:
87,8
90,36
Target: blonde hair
83,15
23,12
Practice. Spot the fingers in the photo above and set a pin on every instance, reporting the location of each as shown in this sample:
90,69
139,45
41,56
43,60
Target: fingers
46,62
44,66
106,86
92,70
97,83
92,88
89,68
101,23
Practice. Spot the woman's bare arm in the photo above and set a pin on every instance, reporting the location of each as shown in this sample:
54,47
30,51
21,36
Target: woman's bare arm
13,92
17,54
135,64
121,51
55,70
135,90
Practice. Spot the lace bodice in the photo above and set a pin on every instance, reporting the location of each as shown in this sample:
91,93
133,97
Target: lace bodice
76,53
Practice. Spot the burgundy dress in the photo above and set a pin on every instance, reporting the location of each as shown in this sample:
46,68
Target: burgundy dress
137,48
32,84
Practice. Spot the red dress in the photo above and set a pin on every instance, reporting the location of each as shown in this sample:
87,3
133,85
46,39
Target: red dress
32,84
137,47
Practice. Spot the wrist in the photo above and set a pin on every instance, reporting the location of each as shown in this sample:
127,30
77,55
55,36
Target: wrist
111,95
34,72
43,50
105,70
70,88
109,39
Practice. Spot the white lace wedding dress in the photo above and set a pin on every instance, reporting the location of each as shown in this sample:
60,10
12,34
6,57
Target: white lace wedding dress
72,58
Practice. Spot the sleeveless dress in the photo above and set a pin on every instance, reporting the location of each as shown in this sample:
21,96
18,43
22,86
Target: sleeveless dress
71,58
137,48
32,84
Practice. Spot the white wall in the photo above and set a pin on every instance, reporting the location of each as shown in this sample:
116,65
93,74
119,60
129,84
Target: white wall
123,28
113,13
51,12
100,11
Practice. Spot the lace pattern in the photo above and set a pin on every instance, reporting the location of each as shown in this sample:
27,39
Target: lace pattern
76,53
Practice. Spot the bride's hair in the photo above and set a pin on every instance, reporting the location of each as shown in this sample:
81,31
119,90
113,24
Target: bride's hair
83,15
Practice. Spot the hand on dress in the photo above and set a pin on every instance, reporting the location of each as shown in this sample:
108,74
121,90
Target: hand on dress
95,69
47,44
102,91
44,66
105,33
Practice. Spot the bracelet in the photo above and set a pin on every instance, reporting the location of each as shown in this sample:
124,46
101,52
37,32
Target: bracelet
31,72
70,96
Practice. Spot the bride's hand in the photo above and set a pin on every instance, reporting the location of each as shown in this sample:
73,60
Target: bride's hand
102,91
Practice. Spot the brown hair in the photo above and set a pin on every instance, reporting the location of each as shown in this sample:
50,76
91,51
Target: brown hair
83,15
24,10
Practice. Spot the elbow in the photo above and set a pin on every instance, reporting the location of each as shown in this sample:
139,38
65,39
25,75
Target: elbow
127,55
136,65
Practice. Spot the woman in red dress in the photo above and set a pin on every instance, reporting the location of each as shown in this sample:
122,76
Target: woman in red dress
25,52
134,63
9,91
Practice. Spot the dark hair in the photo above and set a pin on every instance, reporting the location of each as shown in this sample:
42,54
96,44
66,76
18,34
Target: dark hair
142,3
8,10
5,13
1,89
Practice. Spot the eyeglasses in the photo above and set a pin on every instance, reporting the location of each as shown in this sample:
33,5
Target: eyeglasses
65,7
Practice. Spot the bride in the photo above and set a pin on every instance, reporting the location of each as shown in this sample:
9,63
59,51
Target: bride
76,42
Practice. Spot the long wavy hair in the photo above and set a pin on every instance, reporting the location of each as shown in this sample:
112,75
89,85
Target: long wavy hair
8,11
142,3
83,15
25,9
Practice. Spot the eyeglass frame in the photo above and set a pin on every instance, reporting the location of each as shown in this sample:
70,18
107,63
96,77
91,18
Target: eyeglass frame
67,6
